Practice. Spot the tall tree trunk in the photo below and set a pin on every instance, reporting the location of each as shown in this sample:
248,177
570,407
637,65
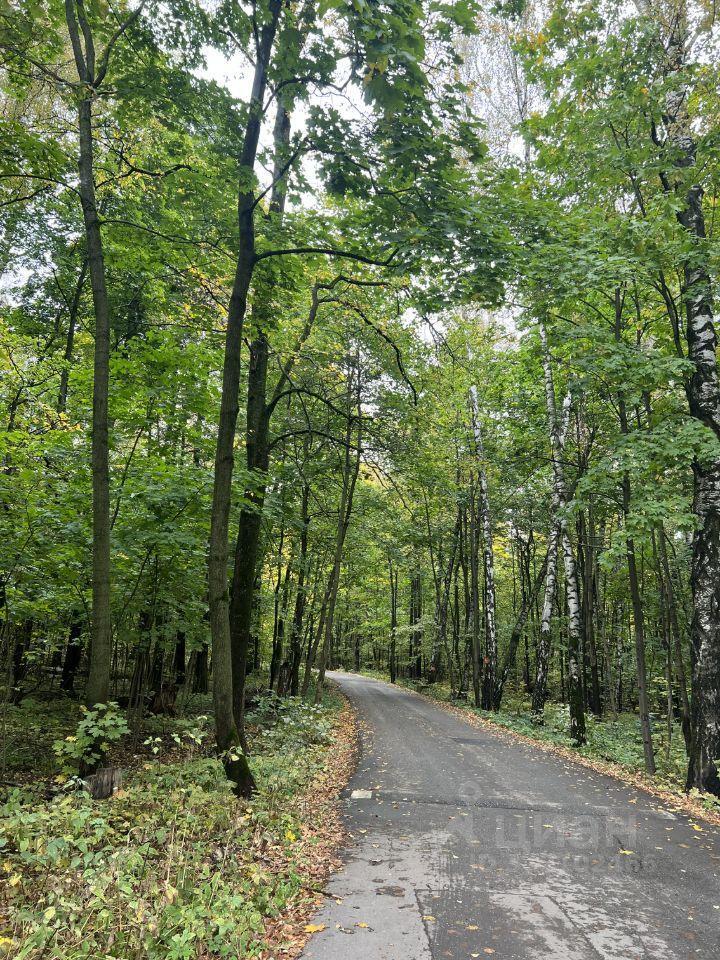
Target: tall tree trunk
98,685
634,579
179,659
474,598
70,339
300,596
574,626
517,632
281,601
138,681
639,629
393,622
201,681
250,525
229,738
315,638
257,445
73,655
351,469
415,639
587,528
542,666
22,638
491,650
685,711
703,393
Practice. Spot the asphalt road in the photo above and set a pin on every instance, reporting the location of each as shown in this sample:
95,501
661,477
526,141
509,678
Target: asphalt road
470,844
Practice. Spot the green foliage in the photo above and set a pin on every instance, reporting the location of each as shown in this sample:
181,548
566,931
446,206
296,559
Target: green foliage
100,728
290,719
170,865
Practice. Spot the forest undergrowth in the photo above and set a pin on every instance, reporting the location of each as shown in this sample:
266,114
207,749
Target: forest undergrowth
171,866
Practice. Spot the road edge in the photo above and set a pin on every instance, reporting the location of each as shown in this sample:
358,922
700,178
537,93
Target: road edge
324,837
679,804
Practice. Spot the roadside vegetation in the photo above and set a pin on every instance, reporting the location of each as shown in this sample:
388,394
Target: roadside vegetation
171,866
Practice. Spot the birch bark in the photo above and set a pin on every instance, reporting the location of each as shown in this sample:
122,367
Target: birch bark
558,431
489,674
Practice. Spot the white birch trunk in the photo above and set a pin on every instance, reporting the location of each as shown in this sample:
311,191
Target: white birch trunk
491,652
558,431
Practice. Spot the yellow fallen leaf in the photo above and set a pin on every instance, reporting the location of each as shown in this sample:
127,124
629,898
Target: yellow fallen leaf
361,924
472,926
15,880
314,927
430,917
628,853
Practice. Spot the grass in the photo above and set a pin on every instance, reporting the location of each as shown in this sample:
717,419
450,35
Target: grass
172,866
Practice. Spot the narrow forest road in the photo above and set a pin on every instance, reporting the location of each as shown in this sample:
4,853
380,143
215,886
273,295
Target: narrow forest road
469,844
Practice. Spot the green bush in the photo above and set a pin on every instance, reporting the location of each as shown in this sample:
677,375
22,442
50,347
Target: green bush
88,746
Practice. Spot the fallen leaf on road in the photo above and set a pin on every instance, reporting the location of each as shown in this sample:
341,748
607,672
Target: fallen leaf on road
314,927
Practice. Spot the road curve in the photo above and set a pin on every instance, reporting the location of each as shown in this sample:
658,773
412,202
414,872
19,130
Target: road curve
467,844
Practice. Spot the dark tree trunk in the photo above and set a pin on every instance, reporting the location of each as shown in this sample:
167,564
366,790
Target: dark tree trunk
351,469
70,339
18,661
157,669
685,712
393,623
587,530
201,680
517,633
634,579
248,539
279,644
225,686
415,643
300,596
138,682
179,659
259,413
490,664
98,685
73,656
